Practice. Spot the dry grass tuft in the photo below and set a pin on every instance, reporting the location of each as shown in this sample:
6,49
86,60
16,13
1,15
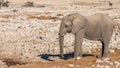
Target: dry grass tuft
31,16
45,17
48,13
60,14
7,16
86,3
105,9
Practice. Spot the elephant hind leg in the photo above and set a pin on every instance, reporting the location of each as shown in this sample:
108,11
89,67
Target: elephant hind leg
106,34
104,50
105,45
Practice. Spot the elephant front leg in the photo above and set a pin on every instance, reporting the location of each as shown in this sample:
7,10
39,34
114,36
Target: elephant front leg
78,43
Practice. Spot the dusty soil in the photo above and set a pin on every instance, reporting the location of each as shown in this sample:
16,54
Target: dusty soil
29,35
85,62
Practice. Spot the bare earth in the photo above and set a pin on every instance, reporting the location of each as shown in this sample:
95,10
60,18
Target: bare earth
29,35
85,62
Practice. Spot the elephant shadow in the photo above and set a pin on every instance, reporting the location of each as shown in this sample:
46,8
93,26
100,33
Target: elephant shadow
66,56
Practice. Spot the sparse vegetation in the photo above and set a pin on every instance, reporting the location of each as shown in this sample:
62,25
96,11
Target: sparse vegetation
60,14
29,4
7,16
30,16
29,34
4,3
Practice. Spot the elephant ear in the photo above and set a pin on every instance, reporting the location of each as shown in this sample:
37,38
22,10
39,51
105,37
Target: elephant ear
78,24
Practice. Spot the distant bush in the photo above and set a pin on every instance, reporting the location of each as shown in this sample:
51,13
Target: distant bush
60,14
4,3
28,4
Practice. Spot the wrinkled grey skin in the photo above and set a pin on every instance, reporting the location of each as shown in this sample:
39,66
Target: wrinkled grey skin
96,27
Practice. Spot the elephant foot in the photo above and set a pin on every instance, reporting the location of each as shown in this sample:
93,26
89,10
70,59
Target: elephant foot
62,57
105,55
99,56
102,56
78,58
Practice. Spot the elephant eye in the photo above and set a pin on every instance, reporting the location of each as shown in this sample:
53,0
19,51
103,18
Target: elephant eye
66,26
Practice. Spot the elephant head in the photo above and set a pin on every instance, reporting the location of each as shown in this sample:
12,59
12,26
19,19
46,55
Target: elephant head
70,24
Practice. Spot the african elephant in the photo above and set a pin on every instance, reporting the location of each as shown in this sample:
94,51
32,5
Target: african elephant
97,27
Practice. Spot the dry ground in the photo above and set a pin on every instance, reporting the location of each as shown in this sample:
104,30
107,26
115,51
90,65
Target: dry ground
31,31
85,62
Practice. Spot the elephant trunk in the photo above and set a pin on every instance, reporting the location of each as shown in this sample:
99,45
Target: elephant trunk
61,39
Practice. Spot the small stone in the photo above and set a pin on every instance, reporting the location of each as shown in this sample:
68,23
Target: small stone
54,67
112,51
98,66
106,60
99,61
71,65
116,62
106,66
78,58
102,66
110,63
93,65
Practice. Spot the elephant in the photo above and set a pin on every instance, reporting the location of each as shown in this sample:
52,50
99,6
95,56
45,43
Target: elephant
97,27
